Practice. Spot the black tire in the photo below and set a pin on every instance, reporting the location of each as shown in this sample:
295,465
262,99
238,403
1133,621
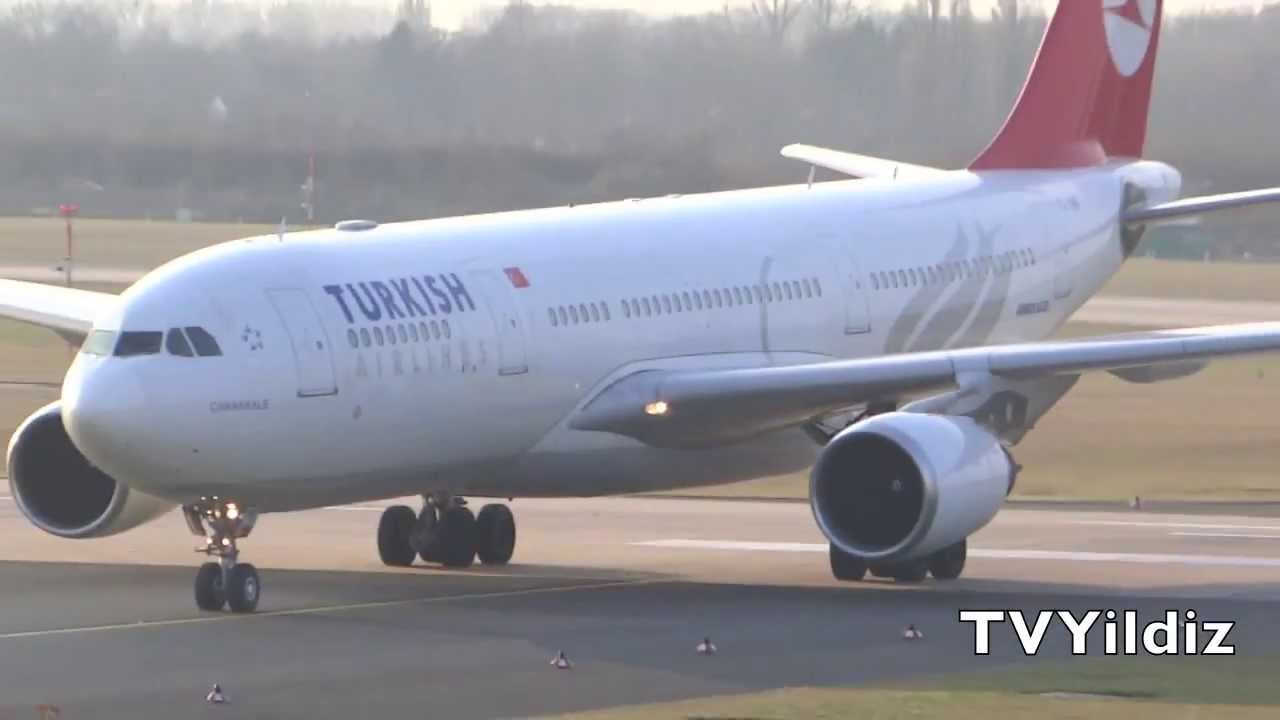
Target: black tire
846,567
243,588
425,536
495,534
393,536
210,594
948,563
910,572
457,532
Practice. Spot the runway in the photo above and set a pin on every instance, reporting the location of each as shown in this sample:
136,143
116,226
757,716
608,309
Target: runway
626,587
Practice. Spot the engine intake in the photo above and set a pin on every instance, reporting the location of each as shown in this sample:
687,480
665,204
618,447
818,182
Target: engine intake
61,492
900,486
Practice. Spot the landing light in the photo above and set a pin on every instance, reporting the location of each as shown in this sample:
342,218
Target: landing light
657,408
233,512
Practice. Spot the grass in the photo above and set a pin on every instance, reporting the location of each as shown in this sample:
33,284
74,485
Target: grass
127,244
1095,688
1146,277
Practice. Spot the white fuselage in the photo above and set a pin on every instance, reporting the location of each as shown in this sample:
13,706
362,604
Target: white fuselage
299,411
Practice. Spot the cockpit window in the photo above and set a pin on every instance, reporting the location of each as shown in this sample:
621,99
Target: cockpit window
139,343
203,342
99,342
175,343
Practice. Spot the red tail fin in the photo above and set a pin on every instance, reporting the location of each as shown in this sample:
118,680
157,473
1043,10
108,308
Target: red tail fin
1089,91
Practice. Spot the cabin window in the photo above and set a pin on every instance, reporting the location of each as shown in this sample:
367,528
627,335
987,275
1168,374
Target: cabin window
626,309
404,334
364,337
551,313
377,336
352,339
413,332
202,342
391,335
604,310
175,343
99,342
666,304
444,325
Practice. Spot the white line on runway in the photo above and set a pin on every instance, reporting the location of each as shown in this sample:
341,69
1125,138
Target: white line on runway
1186,525
354,508
991,554
435,600
1259,536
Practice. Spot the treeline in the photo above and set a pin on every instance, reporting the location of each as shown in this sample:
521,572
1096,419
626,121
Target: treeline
142,109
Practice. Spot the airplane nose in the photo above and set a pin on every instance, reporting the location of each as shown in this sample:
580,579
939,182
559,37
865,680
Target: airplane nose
103,410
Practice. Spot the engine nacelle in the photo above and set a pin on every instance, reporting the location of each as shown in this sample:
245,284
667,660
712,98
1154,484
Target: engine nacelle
901,486
61,492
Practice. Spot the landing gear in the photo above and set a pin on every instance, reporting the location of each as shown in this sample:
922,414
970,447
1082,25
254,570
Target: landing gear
448,533
226,582
846,567
945,564
394,532
495,534
911,571
948,563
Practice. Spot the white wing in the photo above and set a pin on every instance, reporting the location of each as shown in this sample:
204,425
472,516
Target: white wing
68,311
700,408
854,165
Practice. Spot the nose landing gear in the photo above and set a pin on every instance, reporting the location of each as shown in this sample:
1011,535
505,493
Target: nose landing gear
226,582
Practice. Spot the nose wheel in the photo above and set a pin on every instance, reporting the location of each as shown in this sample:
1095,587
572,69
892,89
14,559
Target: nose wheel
226,582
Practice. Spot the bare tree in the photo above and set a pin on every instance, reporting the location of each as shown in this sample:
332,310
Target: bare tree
776,15
828,14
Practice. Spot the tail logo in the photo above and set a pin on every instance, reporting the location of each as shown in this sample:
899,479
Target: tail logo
1129,25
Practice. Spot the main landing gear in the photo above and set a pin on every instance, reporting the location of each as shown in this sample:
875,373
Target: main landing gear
226,582
945,564
446,532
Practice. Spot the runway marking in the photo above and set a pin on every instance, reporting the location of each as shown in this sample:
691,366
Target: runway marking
354,508
990,554
1187,525
227,617
1259,536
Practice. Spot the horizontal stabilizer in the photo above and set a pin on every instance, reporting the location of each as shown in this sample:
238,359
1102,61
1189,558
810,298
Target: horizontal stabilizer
853,165
1191,207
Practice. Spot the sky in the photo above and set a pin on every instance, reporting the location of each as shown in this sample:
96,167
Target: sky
453,13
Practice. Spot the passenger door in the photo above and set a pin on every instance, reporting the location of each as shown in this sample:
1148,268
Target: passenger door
497,294
857,313
312,355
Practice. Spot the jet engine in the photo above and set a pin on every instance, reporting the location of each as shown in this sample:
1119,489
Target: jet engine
900,486
61,492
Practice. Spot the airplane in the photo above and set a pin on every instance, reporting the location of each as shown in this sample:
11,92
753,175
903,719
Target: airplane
887,330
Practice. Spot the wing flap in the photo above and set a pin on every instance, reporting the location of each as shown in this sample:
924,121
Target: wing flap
1191,207
680,408
854,165
68,311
